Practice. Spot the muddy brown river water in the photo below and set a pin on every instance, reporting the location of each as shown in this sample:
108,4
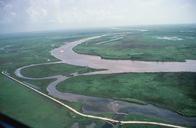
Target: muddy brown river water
68,56
97,105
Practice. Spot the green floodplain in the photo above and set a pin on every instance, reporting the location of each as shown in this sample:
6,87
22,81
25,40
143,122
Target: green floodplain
166,43
175,91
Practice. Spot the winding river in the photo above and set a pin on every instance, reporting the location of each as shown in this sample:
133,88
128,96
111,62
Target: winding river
96,105
68,56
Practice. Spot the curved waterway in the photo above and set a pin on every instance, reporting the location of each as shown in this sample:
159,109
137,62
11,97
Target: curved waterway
96,105
68,56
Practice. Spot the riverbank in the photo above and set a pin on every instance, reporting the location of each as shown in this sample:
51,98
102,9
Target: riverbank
113,121
13,61
72,57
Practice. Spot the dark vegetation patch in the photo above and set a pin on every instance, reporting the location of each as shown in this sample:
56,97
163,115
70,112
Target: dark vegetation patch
146,43
175,91
53,69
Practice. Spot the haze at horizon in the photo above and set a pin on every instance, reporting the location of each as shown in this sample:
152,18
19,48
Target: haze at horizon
41,15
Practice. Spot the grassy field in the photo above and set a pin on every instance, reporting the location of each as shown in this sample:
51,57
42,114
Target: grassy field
50,70
34,110
172,90
39,112
21,103
53,69
20,50
157,44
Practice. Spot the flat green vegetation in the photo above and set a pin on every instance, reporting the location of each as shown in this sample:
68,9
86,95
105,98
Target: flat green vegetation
35,110
50,70
171,90
53,69
179,44
21,103
25,49
175,91
40,85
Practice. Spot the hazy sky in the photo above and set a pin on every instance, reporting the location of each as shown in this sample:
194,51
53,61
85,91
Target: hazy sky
36,15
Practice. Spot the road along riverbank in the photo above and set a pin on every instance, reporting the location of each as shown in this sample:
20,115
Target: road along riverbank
97,105
101,105
91,116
